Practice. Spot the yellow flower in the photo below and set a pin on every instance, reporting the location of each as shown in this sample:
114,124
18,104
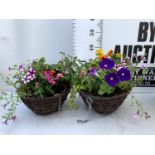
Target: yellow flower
110,53
99,51
119,55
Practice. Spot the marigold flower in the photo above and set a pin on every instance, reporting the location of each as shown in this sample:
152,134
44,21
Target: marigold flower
110,53
102,56
52,72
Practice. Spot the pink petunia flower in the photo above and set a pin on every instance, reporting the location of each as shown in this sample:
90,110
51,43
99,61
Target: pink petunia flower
59,75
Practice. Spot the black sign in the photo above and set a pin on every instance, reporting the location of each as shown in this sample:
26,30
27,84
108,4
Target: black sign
147,75
146,32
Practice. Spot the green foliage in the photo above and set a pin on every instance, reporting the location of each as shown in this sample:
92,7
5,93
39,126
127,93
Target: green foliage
105,89
140,109
70,102
11,102
35,79
125,86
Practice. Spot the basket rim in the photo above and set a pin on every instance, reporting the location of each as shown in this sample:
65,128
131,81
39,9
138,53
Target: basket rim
66,90
102,97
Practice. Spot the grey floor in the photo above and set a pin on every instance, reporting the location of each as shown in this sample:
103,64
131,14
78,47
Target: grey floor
65,122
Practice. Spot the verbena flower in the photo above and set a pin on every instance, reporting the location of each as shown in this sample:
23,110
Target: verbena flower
112,79
51,81
92,71
49,78
47,73
124,74
107,64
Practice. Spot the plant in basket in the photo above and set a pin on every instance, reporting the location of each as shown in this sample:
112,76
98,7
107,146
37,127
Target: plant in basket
105,82
42,87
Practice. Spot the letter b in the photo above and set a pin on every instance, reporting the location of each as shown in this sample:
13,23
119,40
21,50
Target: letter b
143,28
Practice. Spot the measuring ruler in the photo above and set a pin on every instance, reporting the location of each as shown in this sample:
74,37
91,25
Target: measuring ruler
87,37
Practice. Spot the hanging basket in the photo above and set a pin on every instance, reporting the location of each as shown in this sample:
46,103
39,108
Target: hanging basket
104,105
46,105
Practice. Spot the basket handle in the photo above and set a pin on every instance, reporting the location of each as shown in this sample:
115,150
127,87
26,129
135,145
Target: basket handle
89,101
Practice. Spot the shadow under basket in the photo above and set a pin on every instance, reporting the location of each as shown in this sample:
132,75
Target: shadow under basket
104,105
46,105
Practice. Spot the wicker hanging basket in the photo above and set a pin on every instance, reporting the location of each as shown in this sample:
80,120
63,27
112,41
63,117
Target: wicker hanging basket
46,105
104,105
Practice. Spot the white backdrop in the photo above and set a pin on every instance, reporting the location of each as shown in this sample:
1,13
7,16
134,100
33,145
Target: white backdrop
124,32
28,39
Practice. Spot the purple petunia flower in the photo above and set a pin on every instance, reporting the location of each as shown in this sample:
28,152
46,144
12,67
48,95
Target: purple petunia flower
112,79
107,64
31,74
92,71
124,74
25,79
21,68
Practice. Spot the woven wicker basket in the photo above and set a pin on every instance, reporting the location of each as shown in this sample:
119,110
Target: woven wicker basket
46,105
104,105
